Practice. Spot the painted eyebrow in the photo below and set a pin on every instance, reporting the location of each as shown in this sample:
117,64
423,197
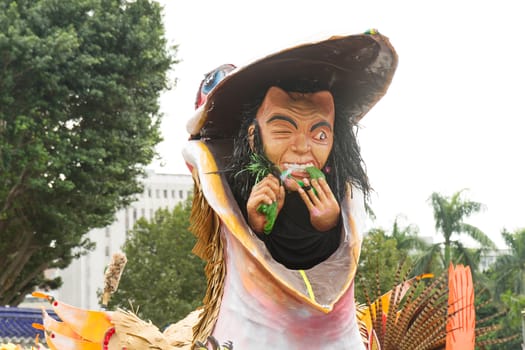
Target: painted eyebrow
282,117
323,123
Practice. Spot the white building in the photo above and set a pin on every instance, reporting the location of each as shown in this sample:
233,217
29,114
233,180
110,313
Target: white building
85,276
488,259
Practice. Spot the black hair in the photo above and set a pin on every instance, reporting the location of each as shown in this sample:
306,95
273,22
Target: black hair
240,180
344,164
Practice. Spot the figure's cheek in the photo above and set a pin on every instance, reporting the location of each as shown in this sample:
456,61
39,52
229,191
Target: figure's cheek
273,153
272,158
322,155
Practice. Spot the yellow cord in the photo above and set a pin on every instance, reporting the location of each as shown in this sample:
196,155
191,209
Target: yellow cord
308,285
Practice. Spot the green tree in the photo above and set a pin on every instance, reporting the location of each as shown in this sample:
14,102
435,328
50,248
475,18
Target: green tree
79,120
163,279
510,267
407,238
503,316
378,263
449,215
506,278
381,255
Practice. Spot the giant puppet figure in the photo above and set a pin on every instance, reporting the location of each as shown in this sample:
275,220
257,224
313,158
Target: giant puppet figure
278,212
291,286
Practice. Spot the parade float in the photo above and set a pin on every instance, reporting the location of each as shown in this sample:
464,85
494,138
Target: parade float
256,298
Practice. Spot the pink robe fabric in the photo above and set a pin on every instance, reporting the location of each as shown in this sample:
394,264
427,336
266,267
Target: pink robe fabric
265,305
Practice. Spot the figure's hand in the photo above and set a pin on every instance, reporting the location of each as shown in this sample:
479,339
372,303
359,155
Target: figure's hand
323,206
267,191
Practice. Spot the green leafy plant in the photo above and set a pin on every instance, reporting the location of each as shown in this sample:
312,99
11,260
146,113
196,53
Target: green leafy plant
261,167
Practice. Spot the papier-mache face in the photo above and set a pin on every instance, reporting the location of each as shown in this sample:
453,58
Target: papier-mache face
297,129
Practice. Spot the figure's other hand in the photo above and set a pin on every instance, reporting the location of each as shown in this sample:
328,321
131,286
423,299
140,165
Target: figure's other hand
323,206
267,191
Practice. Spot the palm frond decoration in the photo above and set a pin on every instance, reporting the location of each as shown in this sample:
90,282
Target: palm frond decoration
417,315
396,318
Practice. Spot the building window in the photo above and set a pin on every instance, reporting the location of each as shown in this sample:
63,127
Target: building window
107,251
143,213
181,194
165,193
172,193
157,193
188,193
149,192
134,214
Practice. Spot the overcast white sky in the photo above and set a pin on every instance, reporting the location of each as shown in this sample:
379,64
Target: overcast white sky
453,117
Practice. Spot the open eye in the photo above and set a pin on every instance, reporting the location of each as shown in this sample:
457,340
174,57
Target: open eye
321,136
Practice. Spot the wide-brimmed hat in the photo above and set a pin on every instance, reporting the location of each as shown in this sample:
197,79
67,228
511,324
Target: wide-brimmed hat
356,69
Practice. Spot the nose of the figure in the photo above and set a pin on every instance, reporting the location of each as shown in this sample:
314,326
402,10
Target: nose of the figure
301,144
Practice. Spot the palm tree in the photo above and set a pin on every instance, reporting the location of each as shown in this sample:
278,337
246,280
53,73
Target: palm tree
511,267
449,216
407,238
506,284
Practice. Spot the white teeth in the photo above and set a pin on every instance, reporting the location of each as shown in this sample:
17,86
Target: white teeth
297,167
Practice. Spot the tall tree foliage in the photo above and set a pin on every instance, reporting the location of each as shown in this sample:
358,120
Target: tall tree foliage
407,238
450,214
507,277
163,279
509,268
378,263
79,88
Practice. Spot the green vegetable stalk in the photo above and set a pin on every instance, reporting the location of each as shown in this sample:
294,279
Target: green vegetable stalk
315,173
270,210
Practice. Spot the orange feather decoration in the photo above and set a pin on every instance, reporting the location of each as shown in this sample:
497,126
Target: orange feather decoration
461,321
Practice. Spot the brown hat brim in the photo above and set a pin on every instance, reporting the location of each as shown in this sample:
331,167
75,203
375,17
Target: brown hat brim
356,69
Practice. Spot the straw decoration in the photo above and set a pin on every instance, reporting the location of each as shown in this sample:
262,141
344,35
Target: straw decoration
112,276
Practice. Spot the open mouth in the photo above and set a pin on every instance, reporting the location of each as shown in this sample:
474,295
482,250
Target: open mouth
296,170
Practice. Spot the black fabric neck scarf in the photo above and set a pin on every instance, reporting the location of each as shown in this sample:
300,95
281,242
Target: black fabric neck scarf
294,242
